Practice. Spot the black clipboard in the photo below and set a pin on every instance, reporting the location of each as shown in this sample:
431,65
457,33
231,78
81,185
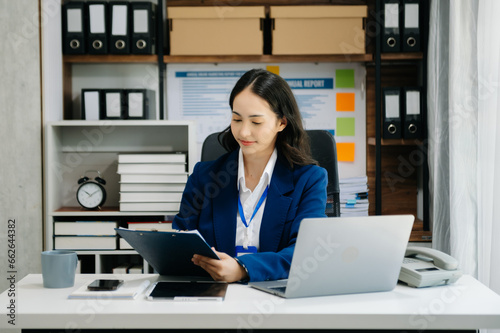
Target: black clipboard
169,252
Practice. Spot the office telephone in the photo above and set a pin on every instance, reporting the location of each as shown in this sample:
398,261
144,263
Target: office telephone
426,267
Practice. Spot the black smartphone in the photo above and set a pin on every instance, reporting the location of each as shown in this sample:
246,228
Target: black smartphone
102,285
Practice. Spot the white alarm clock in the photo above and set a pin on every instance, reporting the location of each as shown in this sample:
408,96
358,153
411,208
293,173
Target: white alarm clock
91,194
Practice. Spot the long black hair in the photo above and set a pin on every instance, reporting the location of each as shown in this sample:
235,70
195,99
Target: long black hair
292,143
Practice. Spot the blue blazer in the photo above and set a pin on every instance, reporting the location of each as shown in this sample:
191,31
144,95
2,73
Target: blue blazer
210,204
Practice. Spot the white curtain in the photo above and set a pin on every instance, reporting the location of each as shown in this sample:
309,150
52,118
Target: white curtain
488,53
437,123
464,134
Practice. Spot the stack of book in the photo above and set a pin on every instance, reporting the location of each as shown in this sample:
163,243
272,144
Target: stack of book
354,196
152,182
85,235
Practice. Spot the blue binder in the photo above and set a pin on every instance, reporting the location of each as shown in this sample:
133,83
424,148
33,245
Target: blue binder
169,252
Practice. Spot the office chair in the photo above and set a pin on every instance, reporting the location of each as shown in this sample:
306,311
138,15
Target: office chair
211,148
323,150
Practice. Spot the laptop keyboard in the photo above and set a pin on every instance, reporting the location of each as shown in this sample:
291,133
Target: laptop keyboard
278,289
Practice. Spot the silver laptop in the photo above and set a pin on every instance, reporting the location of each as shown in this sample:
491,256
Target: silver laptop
345,256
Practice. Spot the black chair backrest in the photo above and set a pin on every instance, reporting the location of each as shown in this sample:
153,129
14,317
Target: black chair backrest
323,150
211,148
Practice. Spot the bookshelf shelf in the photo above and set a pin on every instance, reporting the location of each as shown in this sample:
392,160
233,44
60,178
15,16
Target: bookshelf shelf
401,56
392,189
107,252
270,58
395,142
99,59
72,147
105,211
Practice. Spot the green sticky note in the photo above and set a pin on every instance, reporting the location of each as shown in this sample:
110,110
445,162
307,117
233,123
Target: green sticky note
344,78
345,127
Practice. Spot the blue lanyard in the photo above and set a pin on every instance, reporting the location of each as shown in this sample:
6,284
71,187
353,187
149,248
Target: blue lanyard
240,208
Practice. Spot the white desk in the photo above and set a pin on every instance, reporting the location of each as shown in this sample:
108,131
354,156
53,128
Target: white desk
466,305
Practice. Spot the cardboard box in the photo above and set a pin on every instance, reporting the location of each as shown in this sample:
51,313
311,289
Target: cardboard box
318,29
216,30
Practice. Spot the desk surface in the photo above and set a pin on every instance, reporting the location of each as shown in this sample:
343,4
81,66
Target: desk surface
467,304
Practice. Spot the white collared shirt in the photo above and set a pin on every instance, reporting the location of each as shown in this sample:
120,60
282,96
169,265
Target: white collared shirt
250,199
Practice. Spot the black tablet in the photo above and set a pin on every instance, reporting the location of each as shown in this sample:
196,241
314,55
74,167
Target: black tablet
188,291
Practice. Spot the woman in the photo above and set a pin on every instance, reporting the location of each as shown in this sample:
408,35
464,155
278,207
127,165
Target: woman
249,203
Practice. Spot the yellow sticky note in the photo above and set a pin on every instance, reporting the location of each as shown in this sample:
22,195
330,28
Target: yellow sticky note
345,151
273,69
345,102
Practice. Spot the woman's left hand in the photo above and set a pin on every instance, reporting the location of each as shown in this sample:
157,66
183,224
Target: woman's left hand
226,269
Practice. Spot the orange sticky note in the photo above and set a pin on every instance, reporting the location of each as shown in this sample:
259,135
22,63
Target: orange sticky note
273,69
345,151
345,102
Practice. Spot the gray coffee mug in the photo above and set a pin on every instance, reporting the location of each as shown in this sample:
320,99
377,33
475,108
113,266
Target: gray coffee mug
58,268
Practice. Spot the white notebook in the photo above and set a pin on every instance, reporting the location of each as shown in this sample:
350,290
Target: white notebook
128,290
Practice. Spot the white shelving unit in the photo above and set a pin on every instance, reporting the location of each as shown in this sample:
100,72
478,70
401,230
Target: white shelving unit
75,146
100,263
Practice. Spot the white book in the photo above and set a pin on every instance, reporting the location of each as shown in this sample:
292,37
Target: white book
150,196
152,187
352,207
96,228
150,225
122,269
158,168
353,196
170,207
354,180
137,269
354,213
85,242
124,245
355,201
353,188
353,185
152,158
156,178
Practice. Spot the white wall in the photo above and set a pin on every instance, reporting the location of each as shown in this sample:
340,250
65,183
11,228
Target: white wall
20,138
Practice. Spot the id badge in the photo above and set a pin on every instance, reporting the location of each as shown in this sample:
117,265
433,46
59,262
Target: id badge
240,250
